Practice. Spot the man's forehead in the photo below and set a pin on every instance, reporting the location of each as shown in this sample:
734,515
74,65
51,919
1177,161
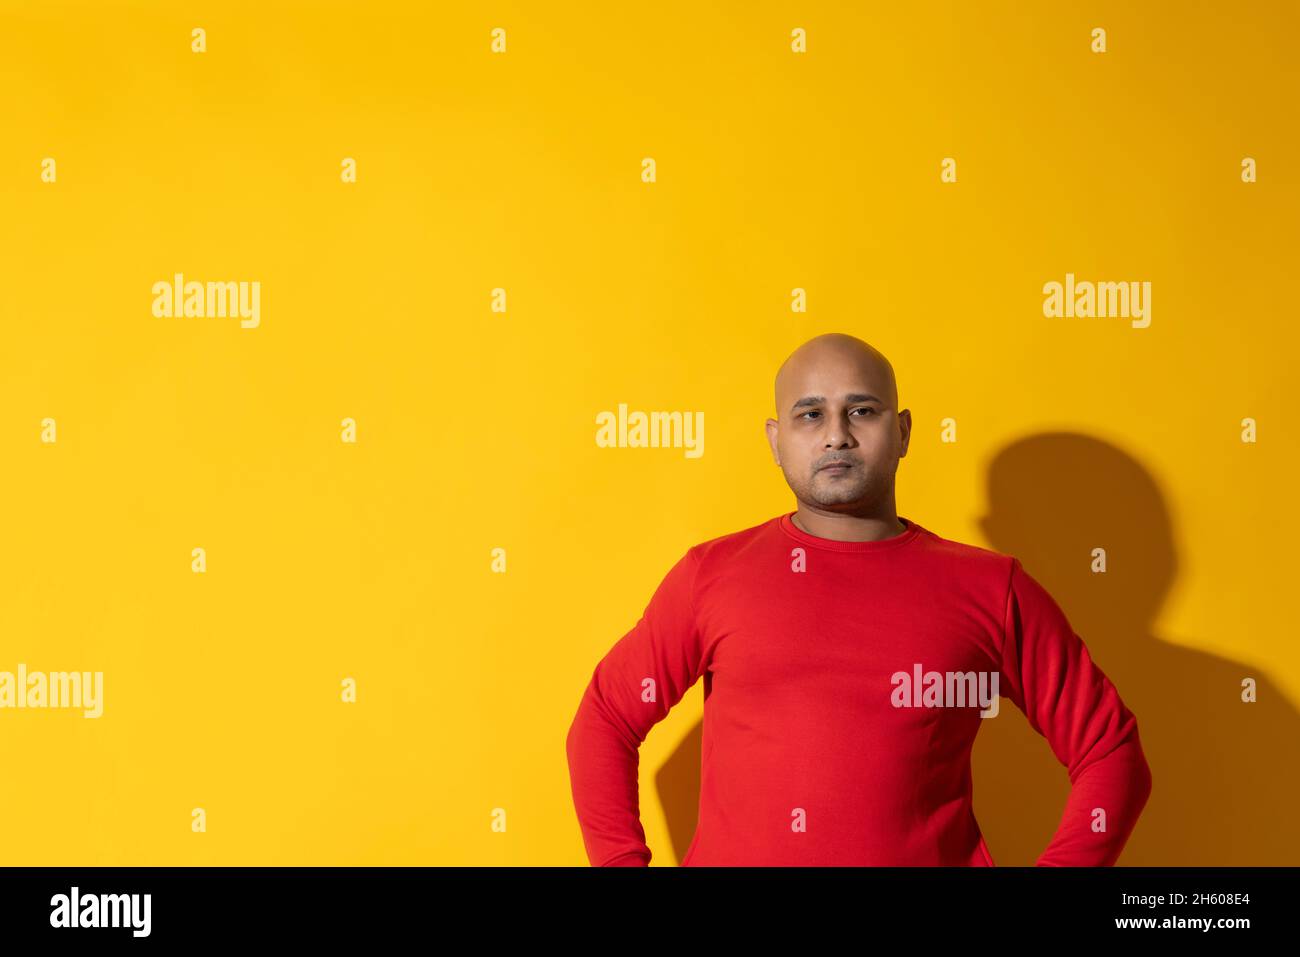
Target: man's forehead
835,384
835,366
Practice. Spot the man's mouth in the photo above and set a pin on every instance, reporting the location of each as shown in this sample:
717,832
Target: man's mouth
836,467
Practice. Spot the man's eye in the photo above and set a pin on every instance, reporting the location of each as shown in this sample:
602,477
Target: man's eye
860,409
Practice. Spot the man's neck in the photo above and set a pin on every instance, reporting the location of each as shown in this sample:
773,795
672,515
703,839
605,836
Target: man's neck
849,528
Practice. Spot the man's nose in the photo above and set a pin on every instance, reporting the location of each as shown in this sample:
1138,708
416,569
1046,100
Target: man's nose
838,433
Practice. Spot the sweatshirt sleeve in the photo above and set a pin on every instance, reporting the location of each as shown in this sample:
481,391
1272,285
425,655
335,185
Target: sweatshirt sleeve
1049,675
632,688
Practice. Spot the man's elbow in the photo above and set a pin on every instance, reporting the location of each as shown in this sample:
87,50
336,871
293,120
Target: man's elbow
1140,778
1141,782
590,731
573,740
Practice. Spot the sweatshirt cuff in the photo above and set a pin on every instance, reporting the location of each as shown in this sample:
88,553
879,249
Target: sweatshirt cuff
630,859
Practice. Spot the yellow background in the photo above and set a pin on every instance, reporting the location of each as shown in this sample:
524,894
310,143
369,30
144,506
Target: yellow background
476,428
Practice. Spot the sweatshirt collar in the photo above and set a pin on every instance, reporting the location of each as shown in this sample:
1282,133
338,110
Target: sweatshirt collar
804,538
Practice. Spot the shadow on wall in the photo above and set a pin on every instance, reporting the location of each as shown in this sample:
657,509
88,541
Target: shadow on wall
1225,774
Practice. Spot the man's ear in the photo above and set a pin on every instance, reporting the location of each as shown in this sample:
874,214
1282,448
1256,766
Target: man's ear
772,426
905,426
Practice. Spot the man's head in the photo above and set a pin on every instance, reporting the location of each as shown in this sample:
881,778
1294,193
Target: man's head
837,401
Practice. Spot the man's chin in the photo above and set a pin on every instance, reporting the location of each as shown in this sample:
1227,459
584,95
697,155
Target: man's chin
831,498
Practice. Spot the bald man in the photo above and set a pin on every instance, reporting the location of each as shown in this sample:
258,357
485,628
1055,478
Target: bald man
849,656
840,438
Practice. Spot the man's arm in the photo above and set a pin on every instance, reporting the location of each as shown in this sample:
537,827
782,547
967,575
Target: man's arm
1049,675
646,672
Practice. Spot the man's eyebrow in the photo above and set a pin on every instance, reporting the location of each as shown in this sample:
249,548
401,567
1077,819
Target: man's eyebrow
820,399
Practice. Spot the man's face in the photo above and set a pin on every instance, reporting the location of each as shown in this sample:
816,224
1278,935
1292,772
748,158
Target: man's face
839,435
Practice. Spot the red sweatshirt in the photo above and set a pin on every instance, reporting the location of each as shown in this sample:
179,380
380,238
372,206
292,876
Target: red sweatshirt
842,695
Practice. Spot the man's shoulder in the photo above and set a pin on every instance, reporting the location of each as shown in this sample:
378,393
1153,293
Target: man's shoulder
733,545
965,558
